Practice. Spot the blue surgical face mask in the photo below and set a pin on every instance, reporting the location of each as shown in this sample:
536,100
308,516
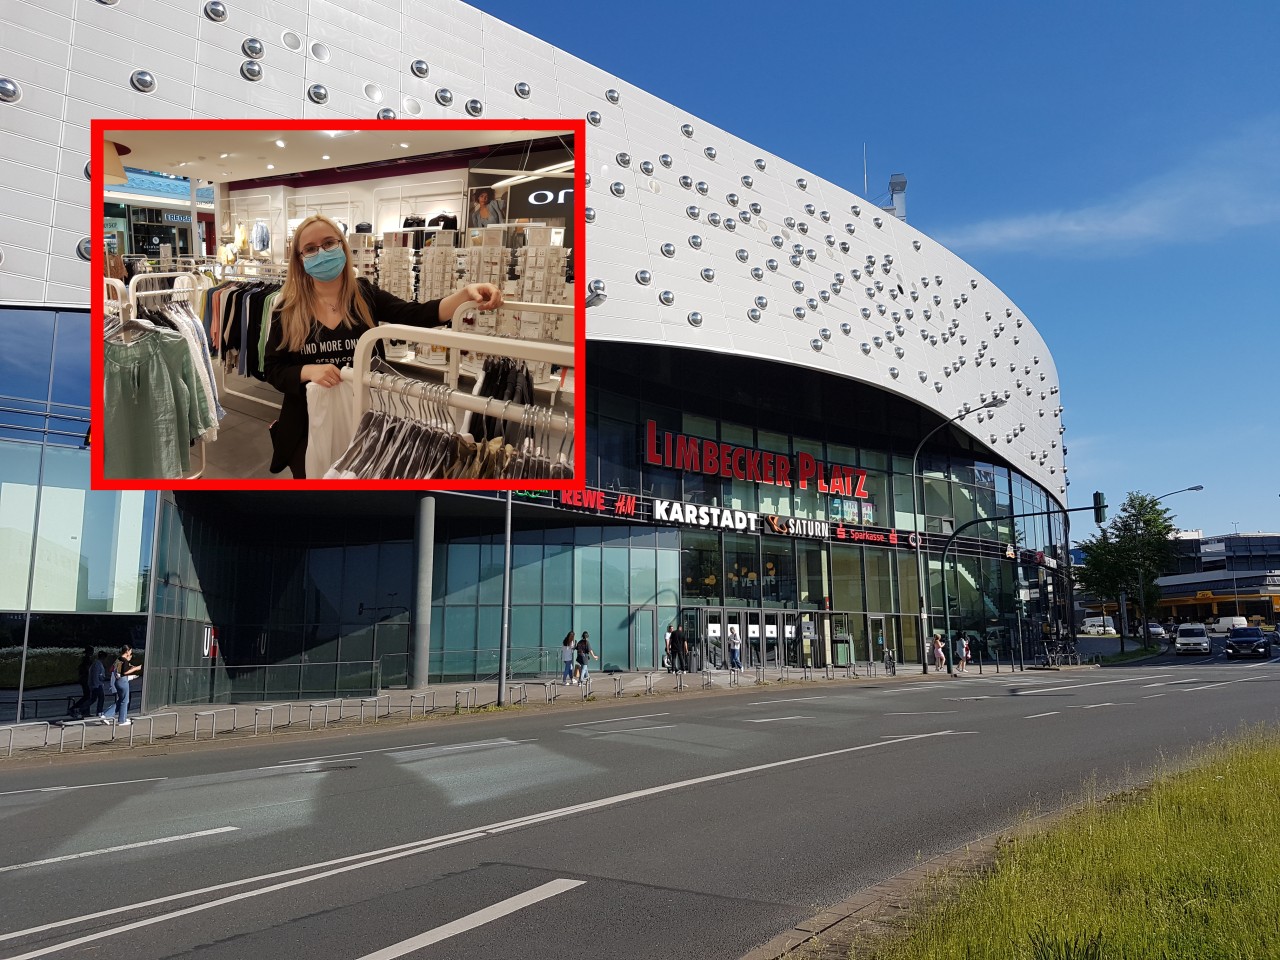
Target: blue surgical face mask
326,264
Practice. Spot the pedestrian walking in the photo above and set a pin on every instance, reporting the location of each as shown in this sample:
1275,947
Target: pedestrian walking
735,649
670,657
567,657
79,708
680,650
585,656
124,670
939,654
961,648
99,673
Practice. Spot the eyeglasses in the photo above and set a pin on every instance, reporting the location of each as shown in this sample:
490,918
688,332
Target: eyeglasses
311,250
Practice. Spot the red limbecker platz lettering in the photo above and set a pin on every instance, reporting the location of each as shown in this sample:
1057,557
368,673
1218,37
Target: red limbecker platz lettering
681,452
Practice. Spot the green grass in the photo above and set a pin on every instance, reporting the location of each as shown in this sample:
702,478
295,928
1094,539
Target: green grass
1186,868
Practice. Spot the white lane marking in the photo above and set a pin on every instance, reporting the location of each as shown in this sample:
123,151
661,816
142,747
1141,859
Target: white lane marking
1037,716
500,742
1081,686
1091,706
372,858
301,764
791,700
920,713
665,726
82,786
1170,683
477,919
1210,686
123,846
329,756
776,719
1152,696
643,716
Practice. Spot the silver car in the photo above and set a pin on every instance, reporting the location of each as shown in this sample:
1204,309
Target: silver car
1191,638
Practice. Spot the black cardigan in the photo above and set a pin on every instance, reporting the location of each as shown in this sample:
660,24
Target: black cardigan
283,368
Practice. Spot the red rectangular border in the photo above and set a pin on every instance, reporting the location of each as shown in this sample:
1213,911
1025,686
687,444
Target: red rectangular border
97,131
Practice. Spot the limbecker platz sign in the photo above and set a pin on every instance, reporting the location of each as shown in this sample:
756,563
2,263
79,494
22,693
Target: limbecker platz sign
678,451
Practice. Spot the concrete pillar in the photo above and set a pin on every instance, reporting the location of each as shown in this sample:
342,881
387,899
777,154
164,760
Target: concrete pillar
426,544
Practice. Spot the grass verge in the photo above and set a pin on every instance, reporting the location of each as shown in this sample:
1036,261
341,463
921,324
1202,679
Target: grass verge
1184,868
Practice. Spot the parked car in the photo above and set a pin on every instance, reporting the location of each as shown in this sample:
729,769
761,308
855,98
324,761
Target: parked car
1156,631
1191,638
1248,642
1098,626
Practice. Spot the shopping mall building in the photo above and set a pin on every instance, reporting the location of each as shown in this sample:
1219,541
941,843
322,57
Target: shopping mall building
766,351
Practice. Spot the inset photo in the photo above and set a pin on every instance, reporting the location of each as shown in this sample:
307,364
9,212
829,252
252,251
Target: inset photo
296,305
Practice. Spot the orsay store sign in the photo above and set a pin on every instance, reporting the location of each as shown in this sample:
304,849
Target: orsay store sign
678,451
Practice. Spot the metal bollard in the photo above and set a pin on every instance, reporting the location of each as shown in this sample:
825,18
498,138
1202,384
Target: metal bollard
618,684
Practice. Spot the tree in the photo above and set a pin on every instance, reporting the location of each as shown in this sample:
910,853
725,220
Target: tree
1128,554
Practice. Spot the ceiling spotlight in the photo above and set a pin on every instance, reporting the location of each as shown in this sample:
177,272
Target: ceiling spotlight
280,143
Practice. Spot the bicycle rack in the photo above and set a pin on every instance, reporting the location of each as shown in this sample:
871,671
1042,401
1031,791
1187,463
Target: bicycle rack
618,684
586,687
83,725
151,726
733,678
523,696
760,681
48,729
648,682
470,693
270,710
679,680
707,680
806,672
423,697
365,701
311,712
784,671
213,722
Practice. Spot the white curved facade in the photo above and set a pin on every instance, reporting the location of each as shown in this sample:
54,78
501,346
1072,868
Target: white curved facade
948,337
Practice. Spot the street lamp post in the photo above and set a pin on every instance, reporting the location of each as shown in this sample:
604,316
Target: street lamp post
1235,589
1142,575
916,481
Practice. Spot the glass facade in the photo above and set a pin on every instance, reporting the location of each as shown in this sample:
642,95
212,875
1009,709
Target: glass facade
74,562
255,597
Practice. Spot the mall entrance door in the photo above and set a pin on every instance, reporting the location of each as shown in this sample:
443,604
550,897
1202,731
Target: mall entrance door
707,629
817,638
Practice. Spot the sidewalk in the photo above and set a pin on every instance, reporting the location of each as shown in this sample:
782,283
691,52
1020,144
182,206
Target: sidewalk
198,723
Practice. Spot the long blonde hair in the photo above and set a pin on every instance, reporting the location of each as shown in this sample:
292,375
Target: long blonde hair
298,304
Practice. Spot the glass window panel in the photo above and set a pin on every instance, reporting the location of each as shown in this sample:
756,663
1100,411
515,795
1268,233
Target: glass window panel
556,622
616,575
700,569
778,569
459,641
323,584
492,556
489,642
908,589
644,576
526,629
614,646
360,600
875,460
875,507
742,570
19,475
586,575
526,573
811,575
775,499
71,359
27,336
879,580
557,573
668,577
846,577
806,500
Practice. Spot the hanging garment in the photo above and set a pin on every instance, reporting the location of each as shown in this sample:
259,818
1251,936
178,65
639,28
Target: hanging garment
154,407
260,237
330,425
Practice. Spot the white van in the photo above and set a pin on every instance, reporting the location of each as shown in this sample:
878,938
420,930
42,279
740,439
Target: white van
1224,625
1098,626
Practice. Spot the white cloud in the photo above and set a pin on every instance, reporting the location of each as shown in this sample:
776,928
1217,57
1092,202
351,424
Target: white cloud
1227,185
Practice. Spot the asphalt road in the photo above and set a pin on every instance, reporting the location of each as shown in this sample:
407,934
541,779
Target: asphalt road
697,827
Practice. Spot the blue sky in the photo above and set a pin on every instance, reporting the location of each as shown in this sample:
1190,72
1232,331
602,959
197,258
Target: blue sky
1113,167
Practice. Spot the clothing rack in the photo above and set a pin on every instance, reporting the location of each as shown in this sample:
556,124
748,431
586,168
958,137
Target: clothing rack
365,380
273,271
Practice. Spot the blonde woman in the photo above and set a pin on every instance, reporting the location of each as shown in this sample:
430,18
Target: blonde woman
322,310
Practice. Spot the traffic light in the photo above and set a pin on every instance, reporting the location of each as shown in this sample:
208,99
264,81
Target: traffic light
1099,507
